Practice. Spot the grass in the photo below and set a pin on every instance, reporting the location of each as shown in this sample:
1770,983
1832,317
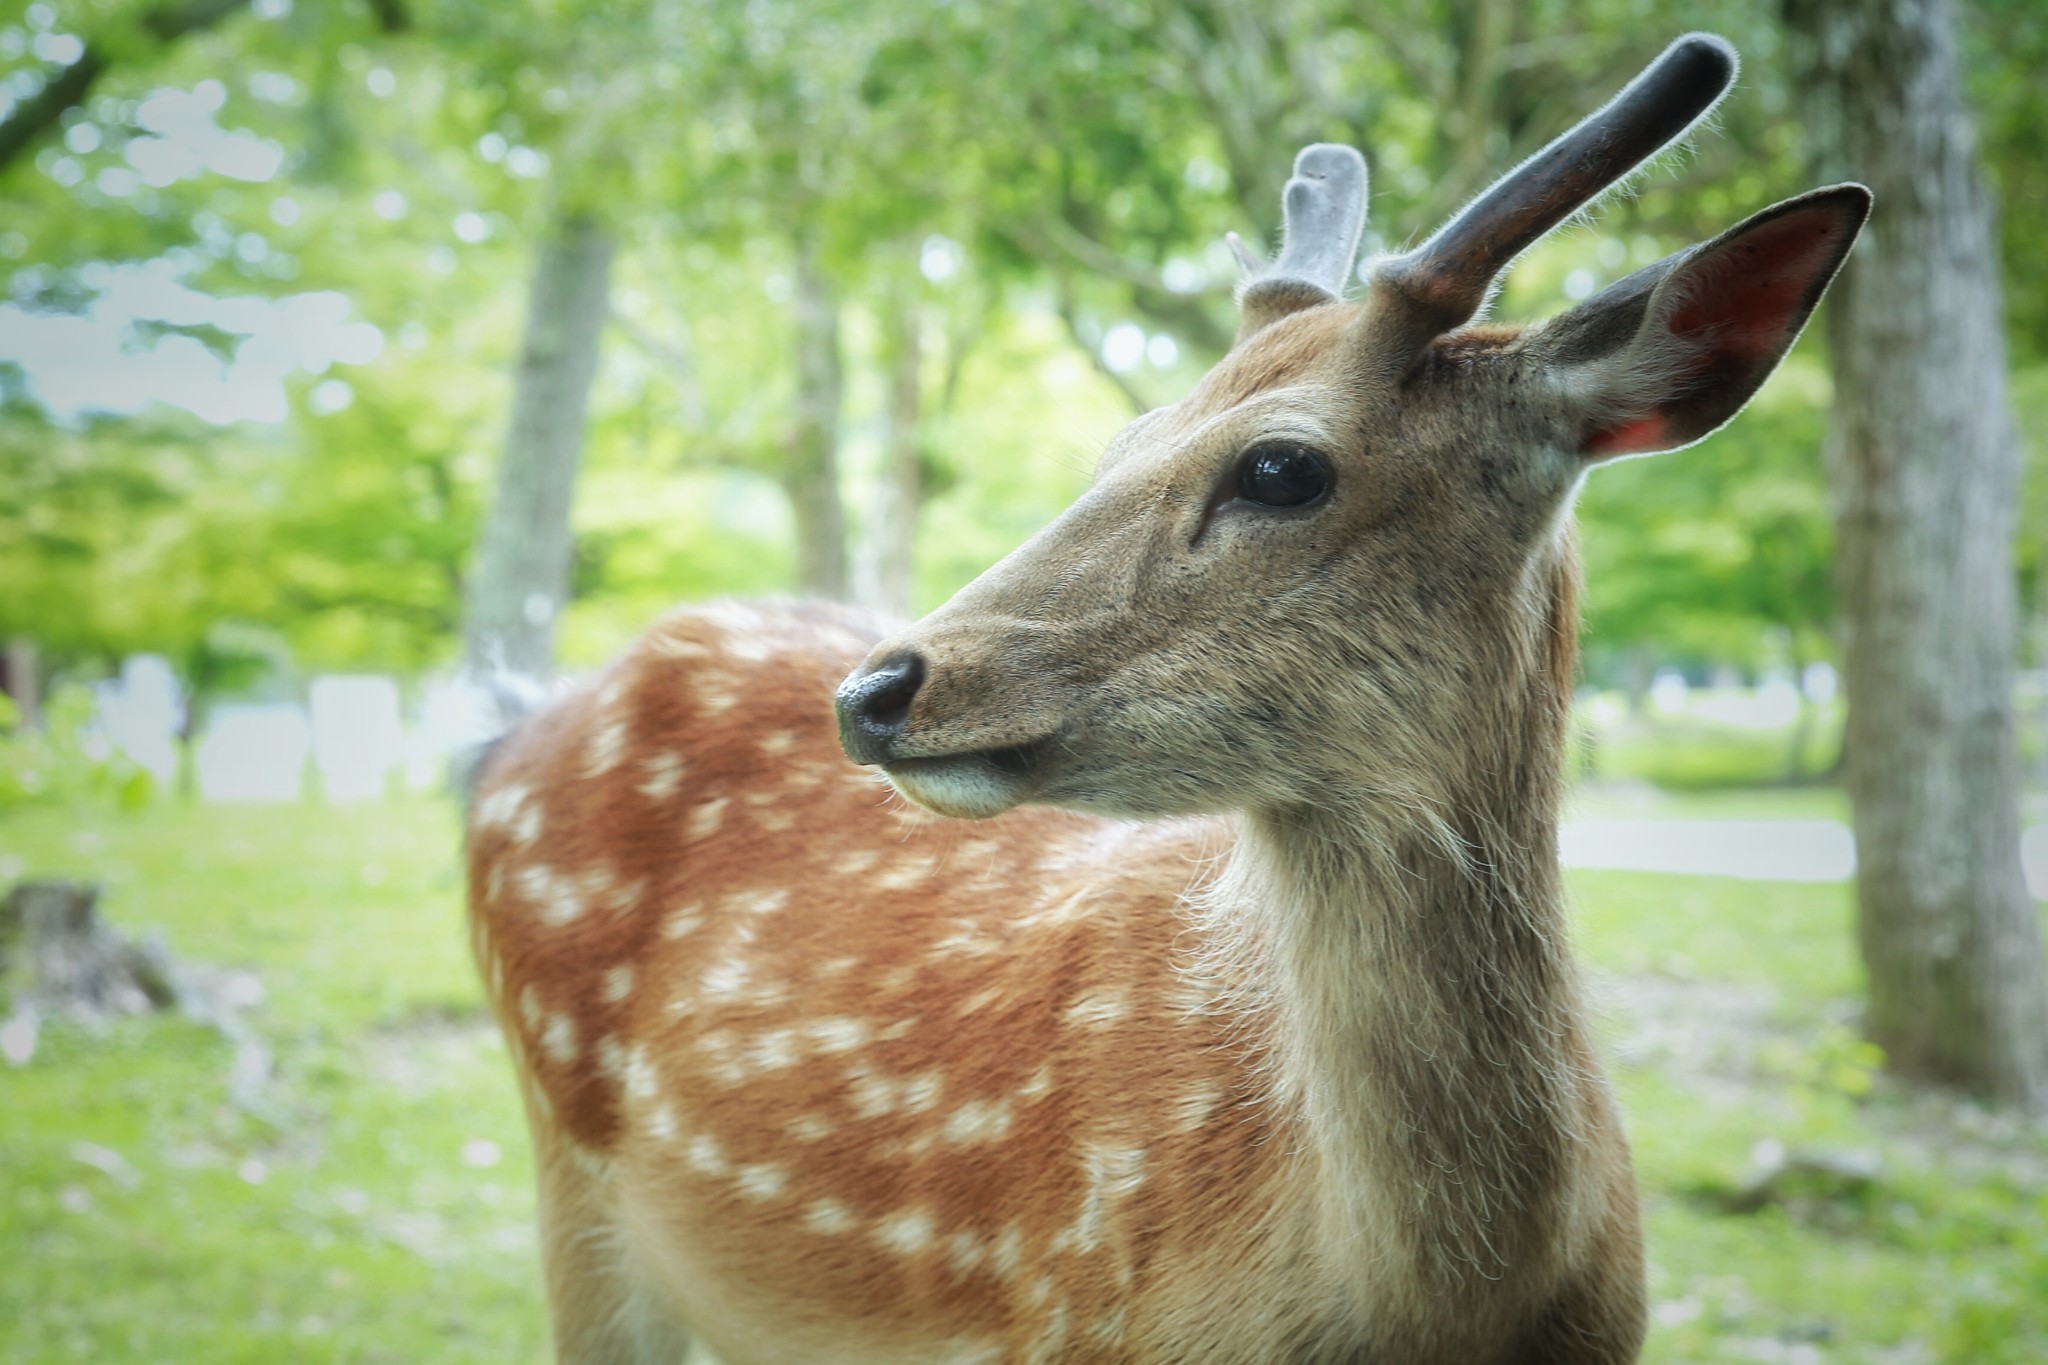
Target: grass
341,1223
379,1208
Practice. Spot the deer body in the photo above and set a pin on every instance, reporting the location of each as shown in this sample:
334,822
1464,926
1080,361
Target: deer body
1239,1024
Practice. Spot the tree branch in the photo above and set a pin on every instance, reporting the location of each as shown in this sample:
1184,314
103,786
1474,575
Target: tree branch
68,89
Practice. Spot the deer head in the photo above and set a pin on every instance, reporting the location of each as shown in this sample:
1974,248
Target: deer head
1331,572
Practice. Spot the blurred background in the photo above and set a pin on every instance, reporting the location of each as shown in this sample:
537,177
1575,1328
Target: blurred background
345,342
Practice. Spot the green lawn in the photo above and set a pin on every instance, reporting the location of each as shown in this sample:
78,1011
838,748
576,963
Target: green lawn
343,1222
378,1207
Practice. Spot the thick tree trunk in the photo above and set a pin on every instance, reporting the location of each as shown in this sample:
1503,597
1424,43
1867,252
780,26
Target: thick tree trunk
894,540
521,579
811,474
1924,469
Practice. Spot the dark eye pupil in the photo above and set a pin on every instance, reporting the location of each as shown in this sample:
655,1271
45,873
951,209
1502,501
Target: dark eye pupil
1283,476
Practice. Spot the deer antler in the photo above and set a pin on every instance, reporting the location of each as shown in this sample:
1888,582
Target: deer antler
1446,279
1323,212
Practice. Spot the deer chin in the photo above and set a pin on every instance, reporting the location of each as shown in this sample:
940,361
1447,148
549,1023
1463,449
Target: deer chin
970,786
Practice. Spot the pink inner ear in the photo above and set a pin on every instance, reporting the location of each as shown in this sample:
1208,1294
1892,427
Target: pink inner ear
1746,297
1632,437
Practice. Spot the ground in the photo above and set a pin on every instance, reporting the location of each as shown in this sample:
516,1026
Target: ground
375,1203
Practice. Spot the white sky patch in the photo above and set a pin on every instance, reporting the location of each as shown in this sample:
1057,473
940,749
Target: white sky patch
1123,347
95,361
187,141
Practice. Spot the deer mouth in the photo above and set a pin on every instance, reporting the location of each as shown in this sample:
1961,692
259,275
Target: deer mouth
974,784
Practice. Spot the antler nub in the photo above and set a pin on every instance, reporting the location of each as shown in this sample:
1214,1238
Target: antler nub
1323,212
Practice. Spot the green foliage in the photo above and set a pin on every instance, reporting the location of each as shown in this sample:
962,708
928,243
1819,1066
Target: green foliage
61,764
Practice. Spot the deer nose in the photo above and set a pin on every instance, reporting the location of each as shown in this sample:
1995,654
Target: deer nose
874,704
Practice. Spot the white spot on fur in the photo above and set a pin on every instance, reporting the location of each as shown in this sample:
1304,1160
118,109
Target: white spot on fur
871,1095
828,1216
1007,1255
979,1121
611,1058
607,747
1050,1344
964,1251
836,1035
1098,1010
642,1080
907,1233
773,1050
499,807
664,774
781,742
558,1038
618,983
838,966
859,861
671,647
538,884
1192,1110
763,1181
529,1007
967,939
661,1124
1109,1174
705,1156
726,979
921,1093
683,921
980,1000
775,821
810,1128
908,872
756,902
1037,1085
896,1030
705,819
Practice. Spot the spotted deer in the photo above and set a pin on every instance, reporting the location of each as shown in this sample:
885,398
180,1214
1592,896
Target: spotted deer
1177,969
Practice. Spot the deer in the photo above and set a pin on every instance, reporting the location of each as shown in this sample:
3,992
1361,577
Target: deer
1158,952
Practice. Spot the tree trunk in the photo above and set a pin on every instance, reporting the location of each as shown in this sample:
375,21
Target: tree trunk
23,679
902,484
1924,472
521,579
811,474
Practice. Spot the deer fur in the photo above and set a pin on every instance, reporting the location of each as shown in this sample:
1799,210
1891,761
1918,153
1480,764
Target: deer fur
1237,1020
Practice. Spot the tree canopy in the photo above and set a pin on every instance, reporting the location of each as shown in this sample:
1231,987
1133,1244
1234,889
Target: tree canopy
265,263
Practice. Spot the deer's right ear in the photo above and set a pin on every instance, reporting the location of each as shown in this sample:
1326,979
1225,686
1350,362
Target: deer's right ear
1666,356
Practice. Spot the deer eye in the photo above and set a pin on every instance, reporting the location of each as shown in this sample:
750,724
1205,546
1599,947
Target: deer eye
1283,474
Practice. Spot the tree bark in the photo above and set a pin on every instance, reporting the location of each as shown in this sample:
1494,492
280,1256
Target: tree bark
23,678
1924,472
811,474
521,579
901,488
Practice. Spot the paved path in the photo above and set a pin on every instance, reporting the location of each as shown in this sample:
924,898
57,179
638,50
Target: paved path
1758,850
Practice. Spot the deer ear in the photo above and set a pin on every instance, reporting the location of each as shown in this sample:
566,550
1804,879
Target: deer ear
1666,356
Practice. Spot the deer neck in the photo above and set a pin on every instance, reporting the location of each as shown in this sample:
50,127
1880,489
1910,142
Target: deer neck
1424,998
